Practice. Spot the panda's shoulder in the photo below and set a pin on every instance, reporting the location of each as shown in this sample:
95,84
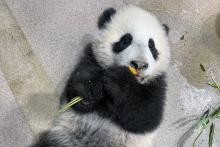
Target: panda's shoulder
88,57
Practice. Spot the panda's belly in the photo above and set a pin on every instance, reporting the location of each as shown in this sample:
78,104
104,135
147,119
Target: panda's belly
104,130
140,140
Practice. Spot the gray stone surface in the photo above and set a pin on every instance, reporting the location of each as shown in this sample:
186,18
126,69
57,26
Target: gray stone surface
33,90
56,31
13,127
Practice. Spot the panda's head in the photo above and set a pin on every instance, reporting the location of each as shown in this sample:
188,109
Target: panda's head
133,37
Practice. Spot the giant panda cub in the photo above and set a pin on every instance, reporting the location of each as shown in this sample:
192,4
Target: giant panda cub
119,109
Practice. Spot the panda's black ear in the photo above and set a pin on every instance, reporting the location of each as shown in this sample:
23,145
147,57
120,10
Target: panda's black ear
166,28
105,17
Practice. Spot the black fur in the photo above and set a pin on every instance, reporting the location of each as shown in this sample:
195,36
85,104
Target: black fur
166,28
153,49
114,93
123,43
105,17
86,82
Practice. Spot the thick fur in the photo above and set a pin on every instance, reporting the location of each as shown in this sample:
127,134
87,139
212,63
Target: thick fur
116,101
86,81
114,93
106,17
117,110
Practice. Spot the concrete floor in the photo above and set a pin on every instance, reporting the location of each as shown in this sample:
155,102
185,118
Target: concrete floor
41,40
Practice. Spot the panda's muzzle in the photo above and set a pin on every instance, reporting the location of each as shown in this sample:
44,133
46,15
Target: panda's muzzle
139,65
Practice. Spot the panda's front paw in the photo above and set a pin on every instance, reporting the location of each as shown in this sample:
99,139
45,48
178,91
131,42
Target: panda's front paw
90,90
118,82
121,73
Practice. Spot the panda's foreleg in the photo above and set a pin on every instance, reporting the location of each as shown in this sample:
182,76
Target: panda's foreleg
85,82
136,107
121,84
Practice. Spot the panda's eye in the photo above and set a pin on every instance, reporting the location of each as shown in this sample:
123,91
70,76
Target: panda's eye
153,49
123,43
151,44
126,39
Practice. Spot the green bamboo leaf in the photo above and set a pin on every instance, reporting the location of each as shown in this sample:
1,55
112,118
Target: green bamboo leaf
197,137
211,134
70,104
215,113
216,84
208,118
203,122
213,85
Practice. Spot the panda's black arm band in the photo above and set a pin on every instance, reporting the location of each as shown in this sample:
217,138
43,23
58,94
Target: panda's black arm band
85,81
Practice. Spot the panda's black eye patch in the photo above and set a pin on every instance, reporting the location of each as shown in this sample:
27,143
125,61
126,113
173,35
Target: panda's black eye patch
123,43
153,49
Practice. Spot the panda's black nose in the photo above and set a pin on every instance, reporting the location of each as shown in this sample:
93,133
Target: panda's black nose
139,65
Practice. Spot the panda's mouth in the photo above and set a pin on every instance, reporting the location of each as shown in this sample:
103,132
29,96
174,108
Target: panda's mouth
141,77
136,72
140,74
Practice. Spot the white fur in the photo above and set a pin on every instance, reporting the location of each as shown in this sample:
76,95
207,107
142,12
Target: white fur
71,121
142,25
